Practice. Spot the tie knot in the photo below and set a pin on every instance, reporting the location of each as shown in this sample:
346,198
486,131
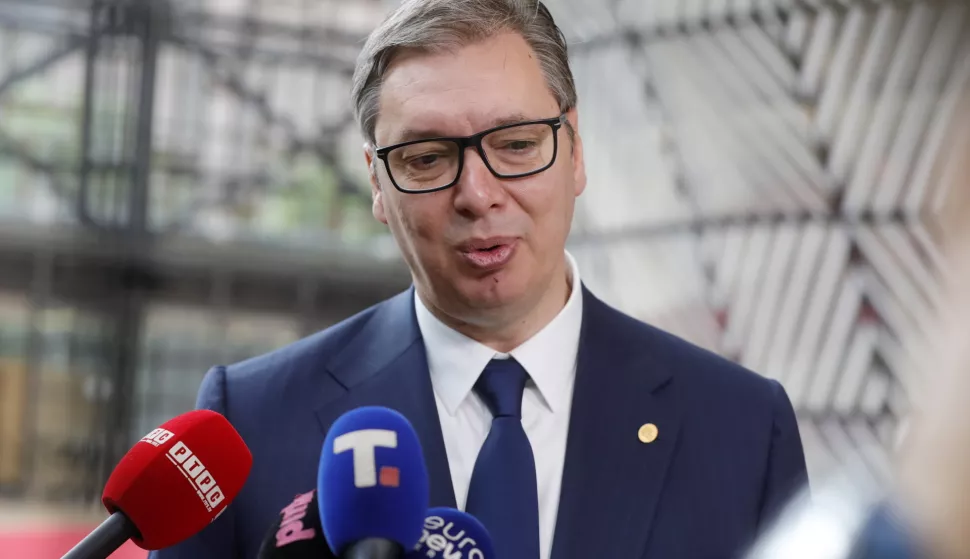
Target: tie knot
501,386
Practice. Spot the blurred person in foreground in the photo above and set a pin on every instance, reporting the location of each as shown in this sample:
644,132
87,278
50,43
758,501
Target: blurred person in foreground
931,506
924,512
618,440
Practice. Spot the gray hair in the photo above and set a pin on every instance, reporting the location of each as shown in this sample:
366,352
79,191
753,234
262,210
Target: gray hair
441,25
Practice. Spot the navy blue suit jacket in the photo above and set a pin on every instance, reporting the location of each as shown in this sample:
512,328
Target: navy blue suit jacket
728,452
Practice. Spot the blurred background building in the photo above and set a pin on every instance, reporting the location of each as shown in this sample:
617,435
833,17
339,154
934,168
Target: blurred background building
182,185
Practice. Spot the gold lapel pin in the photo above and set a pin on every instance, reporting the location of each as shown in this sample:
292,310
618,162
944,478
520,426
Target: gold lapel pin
648,433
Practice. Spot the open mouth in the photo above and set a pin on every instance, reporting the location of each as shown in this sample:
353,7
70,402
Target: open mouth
489,255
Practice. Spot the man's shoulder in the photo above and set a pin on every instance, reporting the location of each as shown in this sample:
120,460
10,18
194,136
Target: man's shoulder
693,367
305,357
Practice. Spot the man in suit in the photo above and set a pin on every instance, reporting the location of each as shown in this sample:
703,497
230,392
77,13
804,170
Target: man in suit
614,439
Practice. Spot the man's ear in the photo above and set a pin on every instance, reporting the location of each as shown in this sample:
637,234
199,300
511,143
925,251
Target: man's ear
576,154
377,195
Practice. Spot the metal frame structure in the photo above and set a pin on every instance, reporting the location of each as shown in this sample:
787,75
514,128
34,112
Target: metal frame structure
116,262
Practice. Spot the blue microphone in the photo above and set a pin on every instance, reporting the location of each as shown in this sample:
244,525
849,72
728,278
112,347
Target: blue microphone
452,534
372,485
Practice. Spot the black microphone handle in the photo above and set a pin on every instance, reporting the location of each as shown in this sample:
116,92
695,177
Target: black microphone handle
373,548
105,539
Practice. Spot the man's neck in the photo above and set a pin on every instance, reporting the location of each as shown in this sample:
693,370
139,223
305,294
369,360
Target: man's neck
505,333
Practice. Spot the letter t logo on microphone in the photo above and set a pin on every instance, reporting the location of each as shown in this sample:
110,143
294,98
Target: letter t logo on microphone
363,443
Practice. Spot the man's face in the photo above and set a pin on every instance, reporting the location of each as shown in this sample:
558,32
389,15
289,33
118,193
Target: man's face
442,234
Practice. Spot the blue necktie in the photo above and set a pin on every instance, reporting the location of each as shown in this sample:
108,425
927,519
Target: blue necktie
503,493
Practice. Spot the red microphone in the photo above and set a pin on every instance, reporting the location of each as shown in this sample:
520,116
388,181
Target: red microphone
170,485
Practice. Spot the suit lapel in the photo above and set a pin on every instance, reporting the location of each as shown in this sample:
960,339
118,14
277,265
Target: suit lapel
611,480
385,365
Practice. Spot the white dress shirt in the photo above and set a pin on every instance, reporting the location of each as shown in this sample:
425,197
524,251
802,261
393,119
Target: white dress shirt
456,361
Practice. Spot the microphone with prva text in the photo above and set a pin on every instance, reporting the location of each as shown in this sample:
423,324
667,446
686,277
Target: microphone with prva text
372,485
448,533
297,533
174,482
452,534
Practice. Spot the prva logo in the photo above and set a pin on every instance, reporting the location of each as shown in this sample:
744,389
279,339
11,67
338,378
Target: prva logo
291,525
362,443
441,539
157,437
194,470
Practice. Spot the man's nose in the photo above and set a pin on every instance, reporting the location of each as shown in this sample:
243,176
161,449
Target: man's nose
478,190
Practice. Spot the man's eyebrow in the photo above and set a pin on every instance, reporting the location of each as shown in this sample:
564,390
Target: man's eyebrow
513,118
409,134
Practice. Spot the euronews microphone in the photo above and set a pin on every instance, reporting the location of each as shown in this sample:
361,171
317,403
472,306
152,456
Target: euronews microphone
452,534
372,485
175,481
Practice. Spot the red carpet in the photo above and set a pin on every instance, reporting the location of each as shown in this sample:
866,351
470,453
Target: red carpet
54,543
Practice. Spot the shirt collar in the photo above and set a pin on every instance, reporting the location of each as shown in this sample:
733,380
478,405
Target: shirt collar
455,361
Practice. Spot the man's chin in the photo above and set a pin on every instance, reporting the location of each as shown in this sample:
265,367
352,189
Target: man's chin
492,292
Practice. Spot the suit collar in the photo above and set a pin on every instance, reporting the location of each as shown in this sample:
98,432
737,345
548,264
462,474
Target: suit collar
385,364
456,361
550,355
388,334
611,480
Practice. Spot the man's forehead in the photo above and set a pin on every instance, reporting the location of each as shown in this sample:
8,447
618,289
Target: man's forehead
434,94
506,57
425,123
504,61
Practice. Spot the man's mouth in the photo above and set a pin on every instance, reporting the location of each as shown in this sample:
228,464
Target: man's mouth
488,254
485,244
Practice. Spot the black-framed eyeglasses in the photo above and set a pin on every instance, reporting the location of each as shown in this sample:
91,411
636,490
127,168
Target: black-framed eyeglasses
510,151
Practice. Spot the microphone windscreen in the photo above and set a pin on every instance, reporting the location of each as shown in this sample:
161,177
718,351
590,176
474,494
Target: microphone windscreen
178,478
297,532
372,480
450,533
